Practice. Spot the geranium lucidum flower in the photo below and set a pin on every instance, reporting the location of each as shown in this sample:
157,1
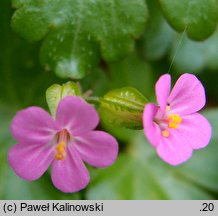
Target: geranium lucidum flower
63,143
174,127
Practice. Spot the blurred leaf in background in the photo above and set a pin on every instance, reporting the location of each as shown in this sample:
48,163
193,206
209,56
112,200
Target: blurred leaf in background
195,56
199,18
158,36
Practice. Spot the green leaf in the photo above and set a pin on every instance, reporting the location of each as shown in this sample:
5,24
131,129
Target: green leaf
140,174
158,35
198,17
195,56
123,107
55,93
97,82
132,71
75,32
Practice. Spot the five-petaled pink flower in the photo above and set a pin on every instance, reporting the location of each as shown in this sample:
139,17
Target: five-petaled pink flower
63,143
174,127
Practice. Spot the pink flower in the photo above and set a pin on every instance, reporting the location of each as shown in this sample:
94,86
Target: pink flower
63,143
174,127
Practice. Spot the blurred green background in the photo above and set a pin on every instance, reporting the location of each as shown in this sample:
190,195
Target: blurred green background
138,173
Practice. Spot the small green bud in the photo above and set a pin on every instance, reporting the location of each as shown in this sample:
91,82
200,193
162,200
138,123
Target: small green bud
123,107
55,93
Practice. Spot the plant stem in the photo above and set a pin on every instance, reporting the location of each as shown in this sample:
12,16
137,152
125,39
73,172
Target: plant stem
93,100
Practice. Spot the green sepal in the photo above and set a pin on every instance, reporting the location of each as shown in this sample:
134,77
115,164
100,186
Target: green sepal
56,92
123,107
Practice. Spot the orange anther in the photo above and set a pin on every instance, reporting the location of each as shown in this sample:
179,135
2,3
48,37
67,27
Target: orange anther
165,133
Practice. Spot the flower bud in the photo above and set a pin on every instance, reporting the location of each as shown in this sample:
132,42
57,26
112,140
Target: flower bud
123,107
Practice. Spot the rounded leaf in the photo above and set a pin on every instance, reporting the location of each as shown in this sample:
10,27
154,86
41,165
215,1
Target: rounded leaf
198,17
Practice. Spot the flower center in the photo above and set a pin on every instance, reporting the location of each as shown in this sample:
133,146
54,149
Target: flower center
63,138
171,122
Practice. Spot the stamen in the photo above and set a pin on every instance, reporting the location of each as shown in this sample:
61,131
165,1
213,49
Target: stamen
165,133
59,156
173,125
175,118
167,108
61,147
61,151
175,121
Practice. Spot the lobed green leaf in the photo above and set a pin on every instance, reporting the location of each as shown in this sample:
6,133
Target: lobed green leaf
74,33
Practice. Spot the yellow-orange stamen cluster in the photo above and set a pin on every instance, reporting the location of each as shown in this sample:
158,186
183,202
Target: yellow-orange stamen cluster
174,121
61,151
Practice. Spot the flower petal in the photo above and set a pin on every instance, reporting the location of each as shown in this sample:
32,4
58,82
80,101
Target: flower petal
30,161
196,129
162,89
187,96
76,115
174,149
70,175
97,148
33,125
151,129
